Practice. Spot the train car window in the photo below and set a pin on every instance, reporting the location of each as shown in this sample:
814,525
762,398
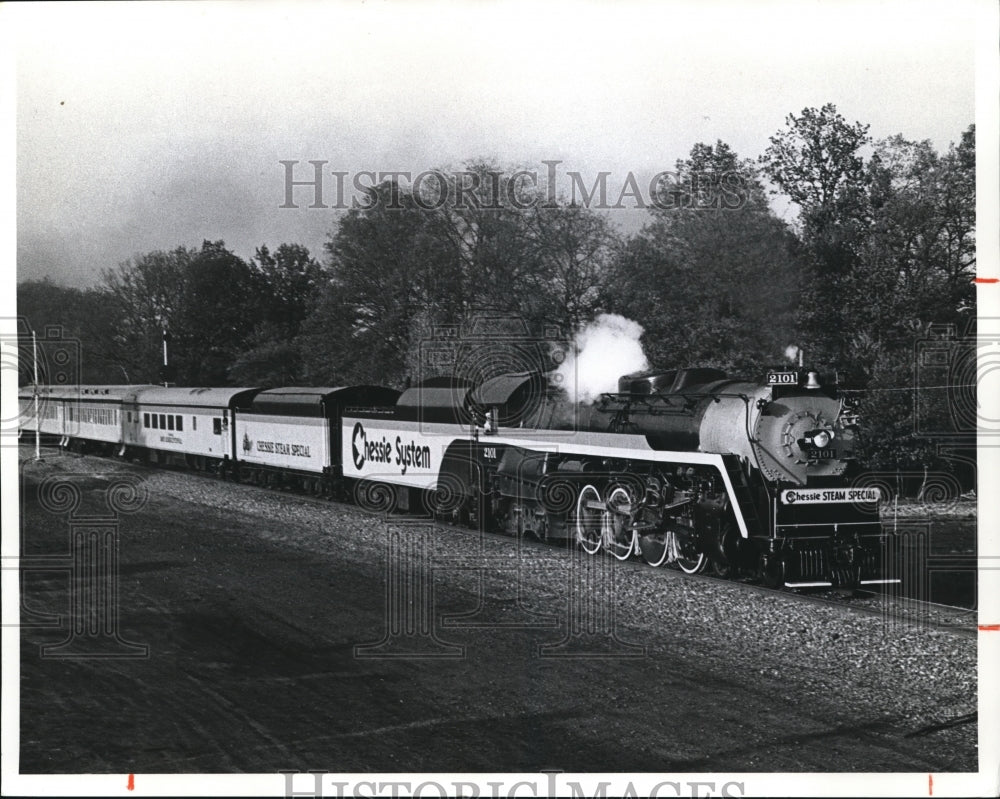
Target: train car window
145,420
217,426
180,423
170,421
163,421
156,423
194,422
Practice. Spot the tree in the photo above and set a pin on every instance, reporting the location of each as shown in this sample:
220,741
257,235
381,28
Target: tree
474,243
147,294
922,236
83,317
220,309
817,162
387,273
574,249
713,277
207,299
289,282
484,226
270,363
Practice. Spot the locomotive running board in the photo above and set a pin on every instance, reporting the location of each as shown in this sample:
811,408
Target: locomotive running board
880,582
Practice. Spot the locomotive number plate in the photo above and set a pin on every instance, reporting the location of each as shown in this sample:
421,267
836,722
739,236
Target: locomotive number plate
820,496
782,378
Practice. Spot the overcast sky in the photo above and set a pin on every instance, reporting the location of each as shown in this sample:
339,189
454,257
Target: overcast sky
148,126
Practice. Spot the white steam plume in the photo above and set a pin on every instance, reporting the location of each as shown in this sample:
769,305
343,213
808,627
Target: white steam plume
603,351
794,354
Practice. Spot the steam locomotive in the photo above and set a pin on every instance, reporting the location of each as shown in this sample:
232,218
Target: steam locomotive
686,468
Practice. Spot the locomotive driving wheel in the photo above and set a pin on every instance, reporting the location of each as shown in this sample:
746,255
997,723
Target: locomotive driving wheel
619,539
724,563
691,559
589,520
692,564
653,549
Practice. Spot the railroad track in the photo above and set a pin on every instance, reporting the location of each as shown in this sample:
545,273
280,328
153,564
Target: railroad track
893,608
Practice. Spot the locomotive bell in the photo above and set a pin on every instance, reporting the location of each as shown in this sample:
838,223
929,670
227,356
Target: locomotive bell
812,380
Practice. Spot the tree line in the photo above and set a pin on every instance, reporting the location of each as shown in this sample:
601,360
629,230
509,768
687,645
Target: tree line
879,258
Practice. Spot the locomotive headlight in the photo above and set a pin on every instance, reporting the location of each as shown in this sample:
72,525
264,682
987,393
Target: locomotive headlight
816,439
821,438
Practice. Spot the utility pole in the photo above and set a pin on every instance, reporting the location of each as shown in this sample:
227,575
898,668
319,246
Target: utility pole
166,368
38,419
